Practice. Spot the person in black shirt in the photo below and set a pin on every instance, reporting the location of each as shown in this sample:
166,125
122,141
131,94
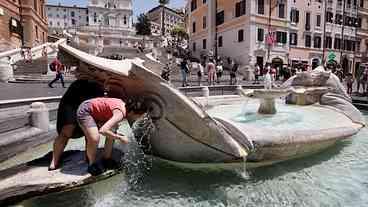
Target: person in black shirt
66,124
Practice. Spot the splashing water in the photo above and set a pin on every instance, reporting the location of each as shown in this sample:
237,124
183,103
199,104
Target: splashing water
137,162
143,128
244,173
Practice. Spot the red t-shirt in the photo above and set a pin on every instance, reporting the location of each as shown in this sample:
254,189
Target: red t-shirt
101,108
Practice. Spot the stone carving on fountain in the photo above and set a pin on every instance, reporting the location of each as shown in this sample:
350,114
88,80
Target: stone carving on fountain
178,120
323,87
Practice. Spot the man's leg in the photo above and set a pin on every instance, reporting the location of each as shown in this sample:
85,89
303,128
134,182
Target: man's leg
93,138
53,81
59,145
62,80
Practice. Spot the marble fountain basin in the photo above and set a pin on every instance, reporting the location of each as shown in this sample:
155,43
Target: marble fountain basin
188,131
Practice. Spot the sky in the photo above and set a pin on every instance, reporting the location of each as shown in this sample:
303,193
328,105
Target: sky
139,6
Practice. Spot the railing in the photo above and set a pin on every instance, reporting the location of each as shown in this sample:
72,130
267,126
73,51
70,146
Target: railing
23,102
218,90
16,54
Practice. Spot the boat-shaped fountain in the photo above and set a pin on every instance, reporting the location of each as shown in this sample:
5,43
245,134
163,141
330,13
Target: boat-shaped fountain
316,114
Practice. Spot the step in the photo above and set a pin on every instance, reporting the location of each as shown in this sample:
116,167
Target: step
22,139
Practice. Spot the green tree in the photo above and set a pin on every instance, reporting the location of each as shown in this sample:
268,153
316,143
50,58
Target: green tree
179,33
163,3
143,25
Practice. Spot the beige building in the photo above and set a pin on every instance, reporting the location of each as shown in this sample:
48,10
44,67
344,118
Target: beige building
288,32
172,18
22,23
241,29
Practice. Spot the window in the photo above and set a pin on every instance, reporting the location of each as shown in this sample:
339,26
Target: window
204,1
194,47
281,10
220,18
260,35
220,43
307,21
328,42
294,16
204,44
358,42
293,38
281,37
240,8
337,43
194,27
358,22
329,16
125,20
241,35
317,42
260,6
338,19
95,17
308,41
193,5
50,23
72,13
318,20
36,27
204,22
361,3
73,21
58,23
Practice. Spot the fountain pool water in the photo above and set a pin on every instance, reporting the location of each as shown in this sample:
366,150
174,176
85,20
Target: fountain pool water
336,177
288,117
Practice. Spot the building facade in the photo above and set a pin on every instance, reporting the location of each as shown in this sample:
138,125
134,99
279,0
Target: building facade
362,36
62,17
172,18
22,23
280,32
109,27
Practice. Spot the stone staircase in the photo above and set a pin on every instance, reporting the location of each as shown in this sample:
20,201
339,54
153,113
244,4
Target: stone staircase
36,67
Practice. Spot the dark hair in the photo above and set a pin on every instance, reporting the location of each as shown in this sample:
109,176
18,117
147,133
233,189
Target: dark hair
136,105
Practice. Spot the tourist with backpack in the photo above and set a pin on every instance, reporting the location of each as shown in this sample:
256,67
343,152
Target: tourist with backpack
57,67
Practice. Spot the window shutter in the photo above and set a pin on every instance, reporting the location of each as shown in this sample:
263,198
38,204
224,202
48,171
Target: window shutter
283,37
297,16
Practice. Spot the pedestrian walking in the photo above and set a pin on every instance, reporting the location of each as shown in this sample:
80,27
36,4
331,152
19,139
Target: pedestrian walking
56,66
211,70
200,73
233,72
219,70
257,70
349,83
184,71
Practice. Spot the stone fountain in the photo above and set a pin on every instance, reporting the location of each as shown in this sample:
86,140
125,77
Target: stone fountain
187,131
267,98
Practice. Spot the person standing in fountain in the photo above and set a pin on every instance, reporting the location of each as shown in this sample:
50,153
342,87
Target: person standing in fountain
67,125
99,116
